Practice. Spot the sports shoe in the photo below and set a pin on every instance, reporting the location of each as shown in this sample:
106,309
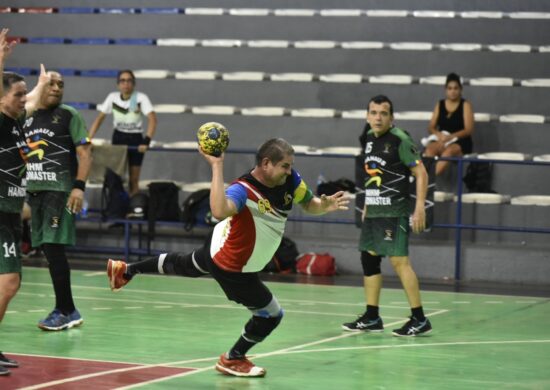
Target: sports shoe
364,324
238,367
413,327
4,371
115,272
7,362
59,321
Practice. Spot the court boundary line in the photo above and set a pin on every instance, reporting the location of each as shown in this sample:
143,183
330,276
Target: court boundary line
209,279
228,306
473,343
290,349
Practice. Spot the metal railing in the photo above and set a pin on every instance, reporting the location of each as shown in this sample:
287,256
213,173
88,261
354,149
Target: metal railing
458,225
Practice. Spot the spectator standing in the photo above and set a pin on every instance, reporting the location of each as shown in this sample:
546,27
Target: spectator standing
128,106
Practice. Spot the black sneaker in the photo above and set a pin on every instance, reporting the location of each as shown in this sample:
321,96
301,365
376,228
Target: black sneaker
4,371
413,327
7,362
364,324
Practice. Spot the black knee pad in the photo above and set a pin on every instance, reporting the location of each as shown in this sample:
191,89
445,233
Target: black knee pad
371,264
258,328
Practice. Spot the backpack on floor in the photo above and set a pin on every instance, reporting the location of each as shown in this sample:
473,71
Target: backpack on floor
320,264
284,259
196,210
478,177
163,204
114,199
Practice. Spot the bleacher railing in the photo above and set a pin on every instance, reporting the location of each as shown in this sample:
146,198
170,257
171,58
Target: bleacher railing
313,152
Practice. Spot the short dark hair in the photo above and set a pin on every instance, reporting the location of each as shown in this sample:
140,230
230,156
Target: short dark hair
121,72
275,150
453,77
379,99
10,78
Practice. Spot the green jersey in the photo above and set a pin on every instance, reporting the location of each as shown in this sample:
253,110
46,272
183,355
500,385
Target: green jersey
12,164
388,160
52,137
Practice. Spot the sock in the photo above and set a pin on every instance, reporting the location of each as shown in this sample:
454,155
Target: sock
149,265
60,273
418,313
240,348
372,312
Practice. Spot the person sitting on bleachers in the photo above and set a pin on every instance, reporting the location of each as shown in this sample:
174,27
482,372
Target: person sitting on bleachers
451,126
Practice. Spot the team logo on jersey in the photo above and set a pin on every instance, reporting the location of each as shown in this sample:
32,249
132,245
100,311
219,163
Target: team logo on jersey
288,199
264,206
15,131
374,173
387,147
34,147
54,223
55,119
388,235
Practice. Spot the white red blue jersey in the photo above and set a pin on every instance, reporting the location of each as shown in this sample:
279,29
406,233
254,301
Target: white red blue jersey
246,241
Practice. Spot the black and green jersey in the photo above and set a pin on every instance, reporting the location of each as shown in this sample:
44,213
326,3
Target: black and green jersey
12,164
52,136
388,160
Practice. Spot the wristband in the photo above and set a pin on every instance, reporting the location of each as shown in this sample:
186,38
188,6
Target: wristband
80,184
146,140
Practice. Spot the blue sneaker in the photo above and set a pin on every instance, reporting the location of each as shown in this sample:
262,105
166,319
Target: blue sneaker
58,321
76,319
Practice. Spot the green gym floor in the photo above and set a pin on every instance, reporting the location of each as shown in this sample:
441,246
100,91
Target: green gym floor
167,333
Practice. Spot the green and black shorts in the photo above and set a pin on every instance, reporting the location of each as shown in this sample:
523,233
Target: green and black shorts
385,236
51,221
10,241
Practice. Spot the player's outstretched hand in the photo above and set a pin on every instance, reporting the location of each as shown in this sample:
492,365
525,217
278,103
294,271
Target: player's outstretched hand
337,201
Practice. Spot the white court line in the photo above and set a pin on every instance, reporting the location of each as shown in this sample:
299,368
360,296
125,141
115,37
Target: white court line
229,306
297,347
221,306
96,374
343,336
320,286
473,343
94,273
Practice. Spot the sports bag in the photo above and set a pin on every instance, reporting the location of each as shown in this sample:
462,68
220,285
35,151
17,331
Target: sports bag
284,259
195,210
114,199
163,204
320,264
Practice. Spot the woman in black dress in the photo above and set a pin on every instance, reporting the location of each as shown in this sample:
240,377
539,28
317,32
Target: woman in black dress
451,126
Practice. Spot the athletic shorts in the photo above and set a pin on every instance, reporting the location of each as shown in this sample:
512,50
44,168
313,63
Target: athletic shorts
245,288
135,158
51,220
10,243
385,236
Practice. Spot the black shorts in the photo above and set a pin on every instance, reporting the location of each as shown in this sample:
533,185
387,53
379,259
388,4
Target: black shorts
10,239
244,288
466,145
135,158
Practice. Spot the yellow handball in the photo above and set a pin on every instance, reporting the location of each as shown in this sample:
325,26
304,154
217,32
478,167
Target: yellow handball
213,138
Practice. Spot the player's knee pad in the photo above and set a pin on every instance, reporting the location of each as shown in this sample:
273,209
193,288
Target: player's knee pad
263,321
371,264
179,264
